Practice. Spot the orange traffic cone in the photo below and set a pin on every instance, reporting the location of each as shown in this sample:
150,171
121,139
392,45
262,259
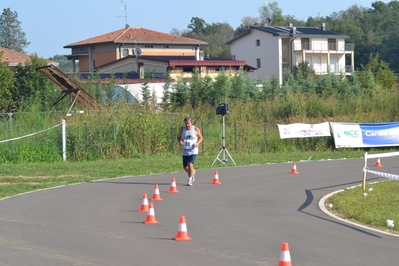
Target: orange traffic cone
173,188
156,195
216,179
294,171
144,204
150,219
182,233
285,257
378,163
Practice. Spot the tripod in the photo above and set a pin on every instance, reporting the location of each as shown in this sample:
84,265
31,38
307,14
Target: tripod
223,149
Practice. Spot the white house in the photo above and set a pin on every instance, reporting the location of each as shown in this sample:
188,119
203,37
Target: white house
276,49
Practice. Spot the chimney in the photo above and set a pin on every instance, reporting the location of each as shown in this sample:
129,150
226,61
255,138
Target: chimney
197,56
201,55
264,24
323,26
292,31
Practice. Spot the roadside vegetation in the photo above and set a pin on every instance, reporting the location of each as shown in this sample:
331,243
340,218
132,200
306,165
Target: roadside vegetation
372,207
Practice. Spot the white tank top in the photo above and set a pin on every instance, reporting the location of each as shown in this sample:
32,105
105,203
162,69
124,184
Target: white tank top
189,137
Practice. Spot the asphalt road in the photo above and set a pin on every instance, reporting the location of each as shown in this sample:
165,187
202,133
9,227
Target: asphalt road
243,221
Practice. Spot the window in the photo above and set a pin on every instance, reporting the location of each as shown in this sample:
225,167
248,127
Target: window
258,63
309,60
305,43
317,64
125,52
332,44
166,46
149,46
188,69
334,64
257,42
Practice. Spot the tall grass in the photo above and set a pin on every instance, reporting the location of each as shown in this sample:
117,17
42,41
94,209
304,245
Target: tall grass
131,130
42,147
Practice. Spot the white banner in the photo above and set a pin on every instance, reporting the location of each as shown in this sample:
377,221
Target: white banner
299,130
347,135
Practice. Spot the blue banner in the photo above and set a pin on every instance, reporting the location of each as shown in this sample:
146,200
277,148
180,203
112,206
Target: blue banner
380,134
358,135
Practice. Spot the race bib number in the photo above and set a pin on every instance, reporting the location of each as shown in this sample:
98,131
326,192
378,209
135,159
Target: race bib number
188,144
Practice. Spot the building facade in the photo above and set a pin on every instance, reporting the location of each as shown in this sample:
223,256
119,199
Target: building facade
101,50
274,50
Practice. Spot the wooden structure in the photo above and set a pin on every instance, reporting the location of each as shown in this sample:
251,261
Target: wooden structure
71,87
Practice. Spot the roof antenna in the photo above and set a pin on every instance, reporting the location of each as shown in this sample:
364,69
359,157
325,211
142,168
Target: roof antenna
125,16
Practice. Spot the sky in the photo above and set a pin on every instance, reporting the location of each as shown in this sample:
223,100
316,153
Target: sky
51,25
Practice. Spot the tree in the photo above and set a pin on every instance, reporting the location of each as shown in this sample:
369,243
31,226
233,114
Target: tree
221,86
246,23
271,13
145,92
216,35
175,31
166,101
194,89
6,84
303,69
179,96
197,25
11,34
222,33
383,75
64,64
31,86
237,89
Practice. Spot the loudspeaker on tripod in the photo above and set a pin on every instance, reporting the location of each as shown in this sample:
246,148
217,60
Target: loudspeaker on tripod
222,109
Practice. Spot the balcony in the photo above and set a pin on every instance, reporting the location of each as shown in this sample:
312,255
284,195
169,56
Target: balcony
324,47
323,69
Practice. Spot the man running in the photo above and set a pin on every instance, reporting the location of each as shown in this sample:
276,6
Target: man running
189,138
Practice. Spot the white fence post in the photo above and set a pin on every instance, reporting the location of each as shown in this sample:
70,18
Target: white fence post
63,139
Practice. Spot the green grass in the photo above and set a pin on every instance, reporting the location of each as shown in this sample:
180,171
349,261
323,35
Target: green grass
371,207
380,203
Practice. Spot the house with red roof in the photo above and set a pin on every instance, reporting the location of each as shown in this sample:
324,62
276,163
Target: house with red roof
13,58
104,49
137,51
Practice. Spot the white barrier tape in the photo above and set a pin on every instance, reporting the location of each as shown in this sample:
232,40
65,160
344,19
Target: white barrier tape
388,154
386,175
29,135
